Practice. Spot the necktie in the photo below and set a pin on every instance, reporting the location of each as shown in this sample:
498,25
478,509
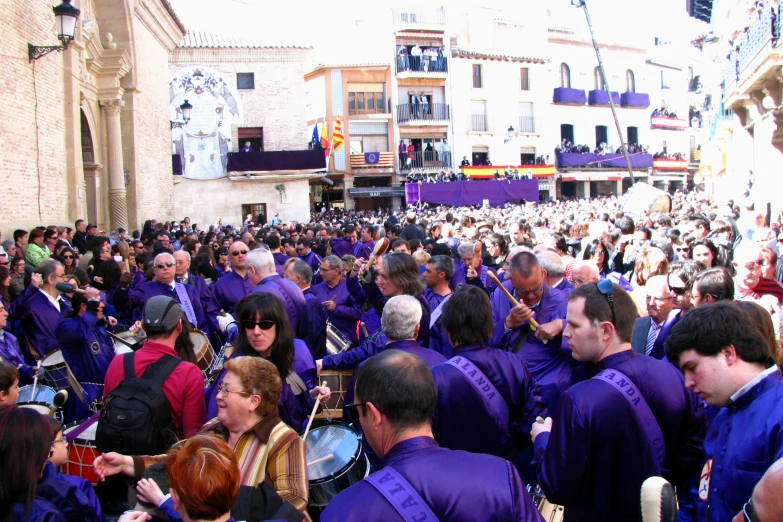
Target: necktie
652,335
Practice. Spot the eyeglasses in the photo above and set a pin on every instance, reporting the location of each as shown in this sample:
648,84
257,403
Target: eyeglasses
60,441
353,411
263,324
225,391
682,249
530,292
67,257
754,264
606,287
236,253
747,511
161,266
679,290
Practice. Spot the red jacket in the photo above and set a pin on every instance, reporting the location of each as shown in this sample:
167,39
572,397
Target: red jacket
184,388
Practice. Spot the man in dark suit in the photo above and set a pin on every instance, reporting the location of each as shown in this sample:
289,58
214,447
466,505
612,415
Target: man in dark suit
79,238
650,333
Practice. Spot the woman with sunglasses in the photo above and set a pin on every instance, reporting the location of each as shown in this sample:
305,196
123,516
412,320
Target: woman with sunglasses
264,330
67,258
596,252
680,280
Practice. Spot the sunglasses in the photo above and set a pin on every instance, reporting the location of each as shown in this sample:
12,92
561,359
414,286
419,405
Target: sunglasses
606,288
164,265
67,257
747,511
264,324
353,412
682,249
236,253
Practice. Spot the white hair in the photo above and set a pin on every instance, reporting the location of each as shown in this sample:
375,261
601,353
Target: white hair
261,260
551,262
187,254
163,254
400,316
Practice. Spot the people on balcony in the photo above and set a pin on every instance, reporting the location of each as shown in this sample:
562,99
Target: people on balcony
414,58
664,113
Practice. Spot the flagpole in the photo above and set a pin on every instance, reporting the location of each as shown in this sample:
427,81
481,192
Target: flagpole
331,146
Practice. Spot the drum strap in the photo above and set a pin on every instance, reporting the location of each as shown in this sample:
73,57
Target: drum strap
650,428
297,384
401,495
438,311
497,404
187,306
74,434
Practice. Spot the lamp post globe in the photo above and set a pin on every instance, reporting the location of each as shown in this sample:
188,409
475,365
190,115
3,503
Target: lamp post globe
186,108
66,16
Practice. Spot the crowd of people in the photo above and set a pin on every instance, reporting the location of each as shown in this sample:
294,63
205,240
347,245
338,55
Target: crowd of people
574,348
566,146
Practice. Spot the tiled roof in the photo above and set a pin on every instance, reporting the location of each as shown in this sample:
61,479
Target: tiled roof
458,52
204,40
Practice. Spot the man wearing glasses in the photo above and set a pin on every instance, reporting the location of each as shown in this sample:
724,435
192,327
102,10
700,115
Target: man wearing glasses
766,503
632,420
728,363
306,254
748,281
342,310
229,289
650,333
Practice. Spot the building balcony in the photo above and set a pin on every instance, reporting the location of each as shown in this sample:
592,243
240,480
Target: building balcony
597,97
575,160
423,161
370,161
666,123
756,55
635,99
568,96
480,123
527,125
422,66
365,107
419,18
276,161
421,114
669,165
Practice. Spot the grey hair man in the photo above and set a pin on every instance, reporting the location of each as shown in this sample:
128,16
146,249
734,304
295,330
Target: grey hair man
262,274
553,268
401,320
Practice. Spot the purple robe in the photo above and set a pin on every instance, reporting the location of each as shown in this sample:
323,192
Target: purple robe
549,363
11,353
460,404
342,246
439,339
225,294
38,317
596,457
457,486
74,497
200,286
133,300
564,286
293,407
312,259
280,258
88,349
348,309
364,249
483,281
290,297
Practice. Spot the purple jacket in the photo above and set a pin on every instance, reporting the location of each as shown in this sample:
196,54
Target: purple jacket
312,259
290,297
348,309
482,281
12,354
439,339
342,246
225,294
74,497
456,485
38,318
363,249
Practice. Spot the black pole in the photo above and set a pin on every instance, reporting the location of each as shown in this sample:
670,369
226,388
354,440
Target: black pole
608,91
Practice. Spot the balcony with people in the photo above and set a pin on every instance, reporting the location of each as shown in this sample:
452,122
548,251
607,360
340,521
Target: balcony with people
573,156
665,119
413,61
420,110
752,41
423,155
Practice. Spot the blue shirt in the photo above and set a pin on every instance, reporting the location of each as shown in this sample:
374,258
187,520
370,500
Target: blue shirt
12,354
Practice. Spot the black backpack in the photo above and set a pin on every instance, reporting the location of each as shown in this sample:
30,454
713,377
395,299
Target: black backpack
136,415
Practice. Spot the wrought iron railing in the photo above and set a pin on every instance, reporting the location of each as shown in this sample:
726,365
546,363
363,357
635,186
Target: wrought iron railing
410,112
760,38
527,124
422,64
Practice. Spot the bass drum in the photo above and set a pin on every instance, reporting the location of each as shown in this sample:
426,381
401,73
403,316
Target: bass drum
335,461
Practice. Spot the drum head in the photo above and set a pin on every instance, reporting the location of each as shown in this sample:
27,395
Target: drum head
43,395
200,343
53,359
88,435
331,439
120,348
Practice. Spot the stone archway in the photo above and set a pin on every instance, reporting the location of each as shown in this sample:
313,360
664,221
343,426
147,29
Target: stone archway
92,171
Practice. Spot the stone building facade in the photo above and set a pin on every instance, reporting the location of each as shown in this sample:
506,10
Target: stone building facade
86,134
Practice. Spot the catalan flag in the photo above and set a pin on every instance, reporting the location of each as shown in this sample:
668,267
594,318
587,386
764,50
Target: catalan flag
324,140
337,136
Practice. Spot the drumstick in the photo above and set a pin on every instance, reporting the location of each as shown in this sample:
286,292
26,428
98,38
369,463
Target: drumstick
533,323
476,254
312,414
322,459
35,380
364,329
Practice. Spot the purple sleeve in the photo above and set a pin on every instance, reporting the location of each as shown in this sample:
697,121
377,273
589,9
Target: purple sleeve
353,358
355,289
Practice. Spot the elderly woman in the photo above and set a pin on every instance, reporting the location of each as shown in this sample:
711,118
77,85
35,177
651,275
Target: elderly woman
36,252
264,331
266,448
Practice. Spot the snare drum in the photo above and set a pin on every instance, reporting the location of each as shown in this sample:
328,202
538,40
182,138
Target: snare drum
82,451
335,340
550,512
338,382
205,354
42,402
348,465
56,370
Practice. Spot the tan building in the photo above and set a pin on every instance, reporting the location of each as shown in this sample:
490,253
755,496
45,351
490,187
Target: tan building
85,132
245,95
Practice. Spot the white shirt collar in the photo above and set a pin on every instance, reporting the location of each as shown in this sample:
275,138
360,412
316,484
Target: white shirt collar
753,382
54,301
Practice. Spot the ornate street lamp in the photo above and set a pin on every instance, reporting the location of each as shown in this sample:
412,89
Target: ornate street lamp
186,108
510,134
65,16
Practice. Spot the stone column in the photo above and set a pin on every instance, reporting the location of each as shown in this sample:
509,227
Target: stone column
618,190
118,203
350,203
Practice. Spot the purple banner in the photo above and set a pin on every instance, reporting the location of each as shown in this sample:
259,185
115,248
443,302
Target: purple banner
276,160
575,159
634,99
602,98
176,164
566,95
463,193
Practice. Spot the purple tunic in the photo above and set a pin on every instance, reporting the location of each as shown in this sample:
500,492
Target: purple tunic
596,457
312,259
364,249
12,354
456,485
74,497
348,309
200,286
38,318
225,294
550,363
290,297
439,339
342,246
280,258
483,281
460,404
133,301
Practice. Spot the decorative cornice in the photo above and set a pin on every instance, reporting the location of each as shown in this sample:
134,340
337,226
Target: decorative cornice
159,17
112,107
457,52
230,55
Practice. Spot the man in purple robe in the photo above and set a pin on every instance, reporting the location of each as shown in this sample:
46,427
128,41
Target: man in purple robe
544,351
264,278
345,244
467,273
11,353
364,247
553,267
40,308
132,300
437,274
632,420
485,388
395,399
342,310
231,288
306,254
182,274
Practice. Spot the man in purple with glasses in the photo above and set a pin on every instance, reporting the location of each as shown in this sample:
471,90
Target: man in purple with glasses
229,289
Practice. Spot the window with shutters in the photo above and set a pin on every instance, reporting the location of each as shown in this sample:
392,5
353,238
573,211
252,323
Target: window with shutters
525,78
478,82
526,120
478,116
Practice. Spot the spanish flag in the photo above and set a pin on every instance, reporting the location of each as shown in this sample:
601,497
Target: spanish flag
324,140
337,136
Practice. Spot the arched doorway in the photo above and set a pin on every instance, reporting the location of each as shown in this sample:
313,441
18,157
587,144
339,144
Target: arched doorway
92,171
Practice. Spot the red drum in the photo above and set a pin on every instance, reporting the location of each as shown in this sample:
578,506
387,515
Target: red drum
205,354
82,451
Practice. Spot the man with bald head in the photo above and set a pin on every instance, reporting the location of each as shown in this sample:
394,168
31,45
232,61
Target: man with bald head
650,333
183,274
584,272
227,291
132,300
554,271
749,282
766,502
